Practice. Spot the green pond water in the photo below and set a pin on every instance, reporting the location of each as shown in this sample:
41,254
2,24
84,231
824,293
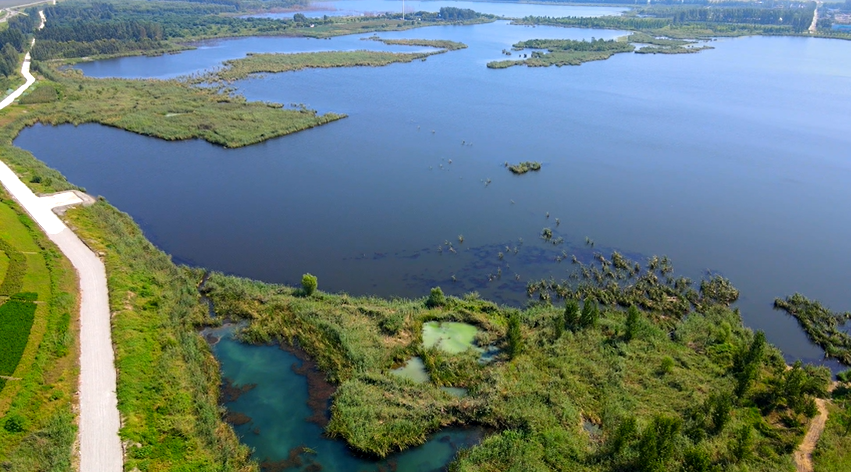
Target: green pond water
413,370
450,336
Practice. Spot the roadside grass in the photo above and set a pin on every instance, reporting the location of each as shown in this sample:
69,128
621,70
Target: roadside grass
833,450
38,427
168,382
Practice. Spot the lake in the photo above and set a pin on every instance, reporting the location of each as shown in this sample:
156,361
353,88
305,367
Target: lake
507,9
733,160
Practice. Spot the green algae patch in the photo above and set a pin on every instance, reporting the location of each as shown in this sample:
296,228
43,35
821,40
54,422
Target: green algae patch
450,337
413,370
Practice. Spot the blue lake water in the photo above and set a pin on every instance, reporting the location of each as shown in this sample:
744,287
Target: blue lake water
734,159
506,9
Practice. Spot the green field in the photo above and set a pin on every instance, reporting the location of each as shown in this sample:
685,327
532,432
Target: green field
39,356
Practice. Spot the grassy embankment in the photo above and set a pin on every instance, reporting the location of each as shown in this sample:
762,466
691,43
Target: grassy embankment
38,334
833,451
272,63
714,387
168,379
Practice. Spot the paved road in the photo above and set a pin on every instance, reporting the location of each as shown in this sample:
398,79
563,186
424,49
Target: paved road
100,446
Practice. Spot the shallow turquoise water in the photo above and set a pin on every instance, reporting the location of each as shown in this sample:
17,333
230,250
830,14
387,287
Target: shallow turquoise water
278,410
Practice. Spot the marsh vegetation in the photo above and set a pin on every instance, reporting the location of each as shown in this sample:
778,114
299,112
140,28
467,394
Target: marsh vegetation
524,167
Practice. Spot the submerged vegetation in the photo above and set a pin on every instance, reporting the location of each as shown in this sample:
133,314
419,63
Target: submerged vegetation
823,327
524,167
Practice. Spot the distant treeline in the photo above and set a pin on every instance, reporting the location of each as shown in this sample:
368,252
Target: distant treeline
91,28
77,29
793,18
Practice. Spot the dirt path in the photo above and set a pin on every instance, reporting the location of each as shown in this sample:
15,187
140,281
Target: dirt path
100,445
804,453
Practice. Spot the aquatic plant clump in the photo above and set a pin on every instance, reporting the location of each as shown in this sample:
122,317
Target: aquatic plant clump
823,327
524,167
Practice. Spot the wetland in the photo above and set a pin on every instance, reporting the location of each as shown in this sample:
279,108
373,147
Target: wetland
701,157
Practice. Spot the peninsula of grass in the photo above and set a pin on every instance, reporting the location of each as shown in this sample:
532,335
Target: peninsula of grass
38,358
168,109
565,52
524,167
432,43
272,63
825,328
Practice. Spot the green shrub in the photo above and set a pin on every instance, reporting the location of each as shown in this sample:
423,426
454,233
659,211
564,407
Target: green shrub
309,283
15,423
667,365
632,319
436,298
36,179
571,314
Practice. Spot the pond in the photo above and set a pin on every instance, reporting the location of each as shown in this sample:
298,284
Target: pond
270,413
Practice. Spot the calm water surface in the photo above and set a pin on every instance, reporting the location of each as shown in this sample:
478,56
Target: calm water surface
509,10
734,159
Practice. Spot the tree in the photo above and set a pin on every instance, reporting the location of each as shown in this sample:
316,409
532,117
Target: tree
590,314
696,459
436,298
657,442
571,315
515,338
747,364
632,319
741,445
309,283
558,326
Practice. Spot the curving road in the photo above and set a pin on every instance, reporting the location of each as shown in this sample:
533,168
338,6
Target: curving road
100,445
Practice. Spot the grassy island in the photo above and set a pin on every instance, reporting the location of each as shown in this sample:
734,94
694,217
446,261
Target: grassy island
273,63
432,43
565,52
524,167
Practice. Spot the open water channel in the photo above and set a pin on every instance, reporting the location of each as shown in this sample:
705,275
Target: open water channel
735,159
